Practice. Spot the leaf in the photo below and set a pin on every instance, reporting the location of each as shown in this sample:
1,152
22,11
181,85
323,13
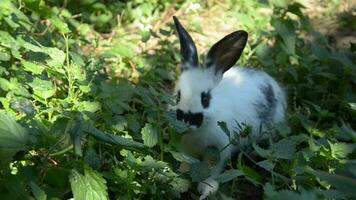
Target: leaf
287,35
264,153
76,135
284,149
229,175
113,139
90,186
57,56
42,88
22,104
181,157
92,158
266,164
149,163
352,106
89,106
344,184
271,194
199,171
179,184
341,150
13,138
224,128
59,24
32,67
149,135
37,191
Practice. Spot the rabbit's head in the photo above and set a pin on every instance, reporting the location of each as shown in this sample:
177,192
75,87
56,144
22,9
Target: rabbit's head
194,91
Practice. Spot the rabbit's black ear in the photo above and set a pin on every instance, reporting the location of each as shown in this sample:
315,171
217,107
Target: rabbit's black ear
187,47
225,53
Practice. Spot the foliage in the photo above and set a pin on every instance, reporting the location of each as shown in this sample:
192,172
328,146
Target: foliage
84,87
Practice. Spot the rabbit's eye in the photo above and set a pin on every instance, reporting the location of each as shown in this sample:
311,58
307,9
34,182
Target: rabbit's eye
178,97
205,99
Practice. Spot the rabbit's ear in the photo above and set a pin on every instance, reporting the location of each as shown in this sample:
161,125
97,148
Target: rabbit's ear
225,53
187,47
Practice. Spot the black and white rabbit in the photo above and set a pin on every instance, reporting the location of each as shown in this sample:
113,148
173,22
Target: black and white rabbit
217,91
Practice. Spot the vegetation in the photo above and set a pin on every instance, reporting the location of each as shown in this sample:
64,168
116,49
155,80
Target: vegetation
84,87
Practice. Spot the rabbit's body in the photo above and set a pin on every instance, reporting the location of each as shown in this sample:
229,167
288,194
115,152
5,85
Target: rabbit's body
216,91
243,95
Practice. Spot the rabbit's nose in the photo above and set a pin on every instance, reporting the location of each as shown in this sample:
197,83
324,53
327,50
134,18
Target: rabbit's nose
195,119
180,114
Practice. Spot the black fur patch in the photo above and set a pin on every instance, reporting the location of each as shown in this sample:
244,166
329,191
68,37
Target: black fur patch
205,99
195,119
178,97
266,108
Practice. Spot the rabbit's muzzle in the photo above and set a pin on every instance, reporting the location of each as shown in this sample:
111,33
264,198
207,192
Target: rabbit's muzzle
195,119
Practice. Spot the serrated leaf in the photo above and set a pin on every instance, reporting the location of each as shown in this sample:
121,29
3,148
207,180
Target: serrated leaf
229,175
341,150
199,171
13,136
284,149
264,153
89,106
57,56
266,164
42,88
59,24
183,157
149,135
92,158
149,163
224,128
344,184
179,184
88,186
37,191
113,139
32,67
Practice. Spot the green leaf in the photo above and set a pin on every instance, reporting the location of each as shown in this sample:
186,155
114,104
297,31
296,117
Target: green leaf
89,106
344,184
352,106
5,84
149,163
90,186
266,164
77,134
42,88
341,150
32,67
149,135
199,171
13,138
59,24
37,191
179,184
113,139
284,149
57,56
224,128
181,157
229,175
271,194
92,158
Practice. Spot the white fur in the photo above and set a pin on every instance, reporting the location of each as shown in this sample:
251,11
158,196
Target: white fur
233,97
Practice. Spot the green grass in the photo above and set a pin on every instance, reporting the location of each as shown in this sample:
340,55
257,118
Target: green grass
84,88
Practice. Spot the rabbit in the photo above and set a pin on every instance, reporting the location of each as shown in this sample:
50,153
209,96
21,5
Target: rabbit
216,91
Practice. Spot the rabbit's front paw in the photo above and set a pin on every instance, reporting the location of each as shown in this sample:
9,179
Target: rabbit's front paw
207,187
